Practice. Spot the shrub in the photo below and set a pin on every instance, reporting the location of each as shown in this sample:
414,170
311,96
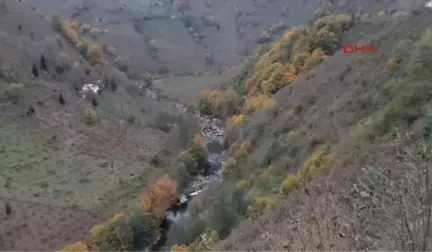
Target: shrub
95,54
260,102
14,91
242,185
160,196
180,248
272,150
70,31
117,236
402,50
144,231
200,154
90,116
275,80
317,57
82,47
327,40
189,162
78,246
240,150
315,165
132,232
195,158
300,47
131,119
97,229
64,59
42,63
268,73
290,74
218,103
391,64
235,121
238,119
298,50
113,83
56,23
118,216
420,61
222,217
289,184
205,241
259,204
295,33
199,140
335,23
228,167
162,121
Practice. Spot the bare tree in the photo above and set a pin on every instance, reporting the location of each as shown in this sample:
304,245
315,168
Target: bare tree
393,207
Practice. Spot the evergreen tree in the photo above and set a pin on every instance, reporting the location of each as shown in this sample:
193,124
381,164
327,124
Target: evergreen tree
61,99
113,84
35,71
19,27
8,209
94,102
30,110
43,65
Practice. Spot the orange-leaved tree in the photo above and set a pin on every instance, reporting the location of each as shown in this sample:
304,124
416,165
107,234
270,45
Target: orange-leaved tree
77,246
160,196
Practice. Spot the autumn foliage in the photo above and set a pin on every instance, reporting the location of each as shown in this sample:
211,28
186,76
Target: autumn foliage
236,120
218,103
199,140
78,246
299,50
70,31
93,52
260,102
161,195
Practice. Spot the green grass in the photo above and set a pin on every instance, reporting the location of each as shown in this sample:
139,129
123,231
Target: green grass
37,168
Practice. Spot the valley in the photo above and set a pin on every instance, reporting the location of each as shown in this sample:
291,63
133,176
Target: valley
235,125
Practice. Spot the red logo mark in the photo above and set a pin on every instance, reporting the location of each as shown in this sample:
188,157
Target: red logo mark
348,49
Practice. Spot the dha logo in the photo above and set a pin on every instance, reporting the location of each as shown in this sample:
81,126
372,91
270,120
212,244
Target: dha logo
349,49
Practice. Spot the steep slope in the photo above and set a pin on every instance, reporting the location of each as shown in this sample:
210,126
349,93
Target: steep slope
333,159
146,34
68,164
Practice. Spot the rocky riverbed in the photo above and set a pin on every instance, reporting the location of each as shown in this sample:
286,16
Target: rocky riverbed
212,130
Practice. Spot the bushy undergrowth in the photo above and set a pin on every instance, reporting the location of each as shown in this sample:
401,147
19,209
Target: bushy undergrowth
257,159
218,103
262,157
191,162
136,230
299,50
404,96
14,91
123,232
93,52
90,116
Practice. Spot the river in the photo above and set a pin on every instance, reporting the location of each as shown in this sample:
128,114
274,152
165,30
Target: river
178,216
212,130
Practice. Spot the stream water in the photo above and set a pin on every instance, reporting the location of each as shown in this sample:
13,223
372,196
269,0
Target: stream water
212,130
178,216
